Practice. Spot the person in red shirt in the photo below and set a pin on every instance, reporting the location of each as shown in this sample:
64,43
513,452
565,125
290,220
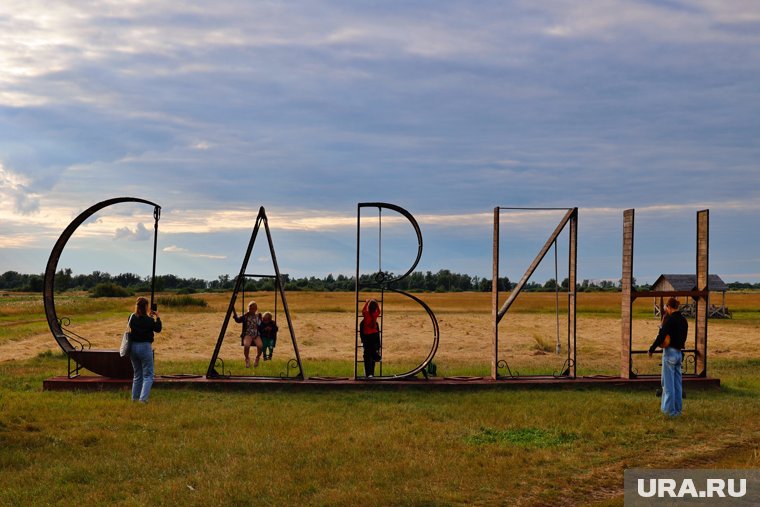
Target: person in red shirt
370,335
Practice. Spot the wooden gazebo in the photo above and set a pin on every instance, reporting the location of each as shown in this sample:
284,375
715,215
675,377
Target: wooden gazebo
685,283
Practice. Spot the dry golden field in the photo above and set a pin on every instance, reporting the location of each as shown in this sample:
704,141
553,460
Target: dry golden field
323,324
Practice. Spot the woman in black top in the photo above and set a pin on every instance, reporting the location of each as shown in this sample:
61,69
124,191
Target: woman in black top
142,325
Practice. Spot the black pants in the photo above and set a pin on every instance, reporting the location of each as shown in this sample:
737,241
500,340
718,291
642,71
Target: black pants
371,343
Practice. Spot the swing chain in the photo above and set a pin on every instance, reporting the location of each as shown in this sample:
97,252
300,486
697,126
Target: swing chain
556,295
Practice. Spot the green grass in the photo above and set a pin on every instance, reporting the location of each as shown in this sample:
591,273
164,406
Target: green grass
519,447
522,437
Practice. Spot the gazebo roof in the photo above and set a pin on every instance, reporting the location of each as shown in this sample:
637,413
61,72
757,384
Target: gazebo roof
687,282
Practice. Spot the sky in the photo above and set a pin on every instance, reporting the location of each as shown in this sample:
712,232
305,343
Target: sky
447,109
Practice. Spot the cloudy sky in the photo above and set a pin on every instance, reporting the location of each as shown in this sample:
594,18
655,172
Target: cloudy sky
445,108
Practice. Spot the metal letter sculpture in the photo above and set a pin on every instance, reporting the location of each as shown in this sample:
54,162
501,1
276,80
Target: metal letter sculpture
571,218
292,364
103,362
383,283
695,359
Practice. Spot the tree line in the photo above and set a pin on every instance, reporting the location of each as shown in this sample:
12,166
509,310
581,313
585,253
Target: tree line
443,280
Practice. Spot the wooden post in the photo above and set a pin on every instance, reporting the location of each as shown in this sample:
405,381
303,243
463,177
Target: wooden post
495,295
572,287
627,301
703,252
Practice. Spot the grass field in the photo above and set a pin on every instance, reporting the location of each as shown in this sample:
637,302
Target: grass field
508,447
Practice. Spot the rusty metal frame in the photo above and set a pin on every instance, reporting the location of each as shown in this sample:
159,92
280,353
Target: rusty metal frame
276,290
696,356
292,364
382,283
103,362
570,218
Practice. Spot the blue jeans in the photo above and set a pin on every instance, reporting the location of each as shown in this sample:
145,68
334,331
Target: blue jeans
141,354
672,393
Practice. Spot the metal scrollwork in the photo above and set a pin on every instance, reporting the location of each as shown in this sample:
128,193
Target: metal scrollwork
689,362
292,364
81,343
567,367
220,362
502,365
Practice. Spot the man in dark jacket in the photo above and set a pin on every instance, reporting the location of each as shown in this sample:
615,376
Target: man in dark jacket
672,338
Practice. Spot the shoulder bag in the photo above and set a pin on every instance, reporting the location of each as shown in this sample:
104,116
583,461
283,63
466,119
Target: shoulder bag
124,348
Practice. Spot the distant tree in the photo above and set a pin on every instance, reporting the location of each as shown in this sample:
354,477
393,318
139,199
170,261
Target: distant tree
109,290
34,283
63,280
127,279
12,280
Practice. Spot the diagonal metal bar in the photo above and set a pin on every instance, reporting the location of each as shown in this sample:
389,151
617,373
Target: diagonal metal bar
516,291
211,372
282,295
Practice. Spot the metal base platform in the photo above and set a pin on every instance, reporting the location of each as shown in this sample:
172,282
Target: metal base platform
97,383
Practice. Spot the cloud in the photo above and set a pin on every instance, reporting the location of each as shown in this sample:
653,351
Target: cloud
174,249
740,276
140,233
202,221
375,95
18,240
14,187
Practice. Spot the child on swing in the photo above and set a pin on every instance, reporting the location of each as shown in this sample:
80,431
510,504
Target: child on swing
370,335
268,332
